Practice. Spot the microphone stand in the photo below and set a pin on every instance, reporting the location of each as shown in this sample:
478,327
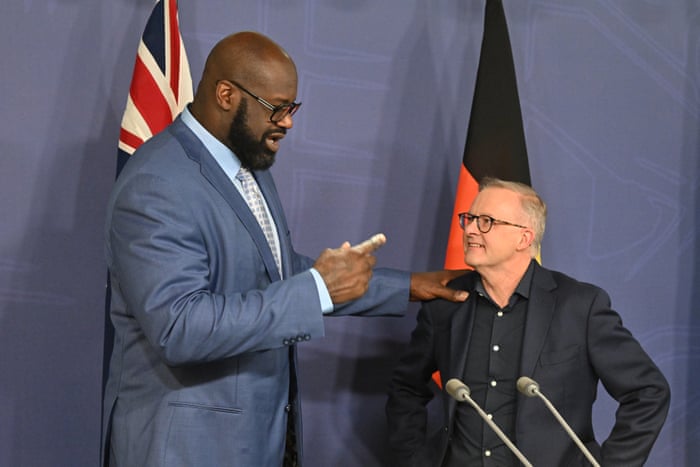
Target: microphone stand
531,389
460,392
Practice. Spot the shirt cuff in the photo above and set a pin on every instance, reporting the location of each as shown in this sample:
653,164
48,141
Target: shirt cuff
323,295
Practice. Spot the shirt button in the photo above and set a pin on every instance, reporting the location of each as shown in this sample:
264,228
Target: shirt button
496,348
499,314
487,453
493,383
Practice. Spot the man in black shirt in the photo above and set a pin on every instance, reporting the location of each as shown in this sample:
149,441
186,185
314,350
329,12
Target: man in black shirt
522,320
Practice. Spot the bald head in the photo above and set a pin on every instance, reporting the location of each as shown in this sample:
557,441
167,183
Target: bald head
250,59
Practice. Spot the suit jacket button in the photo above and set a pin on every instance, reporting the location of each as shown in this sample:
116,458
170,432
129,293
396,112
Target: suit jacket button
285,342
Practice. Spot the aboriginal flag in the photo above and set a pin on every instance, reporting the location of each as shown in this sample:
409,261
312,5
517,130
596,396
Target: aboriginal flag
495,145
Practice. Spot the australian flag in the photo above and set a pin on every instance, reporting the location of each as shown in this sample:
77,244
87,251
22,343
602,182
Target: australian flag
161,85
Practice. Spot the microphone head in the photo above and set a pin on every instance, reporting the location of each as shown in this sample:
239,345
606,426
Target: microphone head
457,389
528,386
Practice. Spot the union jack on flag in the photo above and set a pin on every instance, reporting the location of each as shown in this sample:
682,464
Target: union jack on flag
161,85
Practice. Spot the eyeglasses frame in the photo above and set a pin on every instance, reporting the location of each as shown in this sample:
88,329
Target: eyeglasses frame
464,216
290,109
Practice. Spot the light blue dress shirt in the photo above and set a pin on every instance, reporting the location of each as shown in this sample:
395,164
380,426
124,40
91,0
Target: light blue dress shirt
230,164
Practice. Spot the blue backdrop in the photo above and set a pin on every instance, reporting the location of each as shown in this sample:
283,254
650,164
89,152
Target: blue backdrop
610,91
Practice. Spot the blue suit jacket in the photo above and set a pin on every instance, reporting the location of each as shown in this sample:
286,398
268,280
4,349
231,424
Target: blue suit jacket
572,340
203,367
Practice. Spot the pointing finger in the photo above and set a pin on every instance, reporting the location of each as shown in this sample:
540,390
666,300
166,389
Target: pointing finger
371,244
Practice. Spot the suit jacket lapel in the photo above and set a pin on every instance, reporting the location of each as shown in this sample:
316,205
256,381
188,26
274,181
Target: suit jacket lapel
461,327
211,171
540,311
460,335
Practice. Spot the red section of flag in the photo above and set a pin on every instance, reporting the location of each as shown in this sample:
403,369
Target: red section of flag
129,138
174,47
148,99
467,188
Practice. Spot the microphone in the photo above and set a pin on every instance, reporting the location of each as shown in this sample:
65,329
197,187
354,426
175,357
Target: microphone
530,388
460,392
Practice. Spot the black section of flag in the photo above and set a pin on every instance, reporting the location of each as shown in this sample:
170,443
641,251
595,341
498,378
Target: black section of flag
495,143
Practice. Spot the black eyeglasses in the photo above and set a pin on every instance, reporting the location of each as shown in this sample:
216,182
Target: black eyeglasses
279,112
483,222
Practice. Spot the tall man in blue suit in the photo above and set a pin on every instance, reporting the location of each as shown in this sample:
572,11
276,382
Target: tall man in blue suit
522,320
207,309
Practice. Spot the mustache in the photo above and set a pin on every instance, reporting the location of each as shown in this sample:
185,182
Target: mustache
276,131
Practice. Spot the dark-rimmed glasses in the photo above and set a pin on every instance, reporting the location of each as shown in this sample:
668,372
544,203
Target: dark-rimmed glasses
279,112
483,222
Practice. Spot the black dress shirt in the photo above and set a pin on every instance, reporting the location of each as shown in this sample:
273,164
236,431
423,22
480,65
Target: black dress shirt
491,371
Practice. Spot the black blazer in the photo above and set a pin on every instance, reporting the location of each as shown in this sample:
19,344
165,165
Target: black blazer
572,340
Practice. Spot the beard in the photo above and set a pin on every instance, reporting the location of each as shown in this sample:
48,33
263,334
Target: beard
253,153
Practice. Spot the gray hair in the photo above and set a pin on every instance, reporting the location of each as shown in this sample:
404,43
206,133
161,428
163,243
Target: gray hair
533,206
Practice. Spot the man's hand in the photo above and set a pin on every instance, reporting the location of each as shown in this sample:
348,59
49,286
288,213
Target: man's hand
347,270
430,285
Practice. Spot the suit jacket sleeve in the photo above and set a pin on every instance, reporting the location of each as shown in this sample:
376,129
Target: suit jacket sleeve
387,295
164,265
633,380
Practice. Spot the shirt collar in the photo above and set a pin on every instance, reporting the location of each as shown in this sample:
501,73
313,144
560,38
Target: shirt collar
219,151
523,288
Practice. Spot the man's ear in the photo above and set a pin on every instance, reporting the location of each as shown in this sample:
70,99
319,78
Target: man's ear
226,96
527,236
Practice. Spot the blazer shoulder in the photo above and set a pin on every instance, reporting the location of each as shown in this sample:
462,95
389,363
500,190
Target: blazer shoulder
561,283
466,281
160,154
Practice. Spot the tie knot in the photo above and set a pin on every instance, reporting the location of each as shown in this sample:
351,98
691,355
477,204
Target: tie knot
244,174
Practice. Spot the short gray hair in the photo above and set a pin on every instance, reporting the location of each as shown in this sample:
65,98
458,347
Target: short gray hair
533,206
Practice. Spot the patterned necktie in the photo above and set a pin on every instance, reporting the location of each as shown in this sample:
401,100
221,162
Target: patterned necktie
255,201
